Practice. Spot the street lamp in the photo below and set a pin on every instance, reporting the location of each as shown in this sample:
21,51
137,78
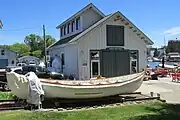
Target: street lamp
163,58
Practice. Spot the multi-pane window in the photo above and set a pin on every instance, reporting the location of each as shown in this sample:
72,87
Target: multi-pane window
78,23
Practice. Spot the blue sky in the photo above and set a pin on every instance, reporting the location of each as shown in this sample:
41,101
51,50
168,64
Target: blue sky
156,18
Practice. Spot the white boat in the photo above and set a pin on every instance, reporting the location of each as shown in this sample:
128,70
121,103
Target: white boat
168,66
77,89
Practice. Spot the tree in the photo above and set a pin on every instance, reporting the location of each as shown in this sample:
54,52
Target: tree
173,46
33,41
155,53
20,48
49,41
36,44
37,53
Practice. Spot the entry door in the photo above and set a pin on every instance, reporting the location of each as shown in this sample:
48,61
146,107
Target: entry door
95,68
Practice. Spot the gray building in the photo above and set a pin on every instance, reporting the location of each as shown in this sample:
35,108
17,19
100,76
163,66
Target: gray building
7,57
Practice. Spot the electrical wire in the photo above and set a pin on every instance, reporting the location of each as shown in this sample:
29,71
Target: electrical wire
20,29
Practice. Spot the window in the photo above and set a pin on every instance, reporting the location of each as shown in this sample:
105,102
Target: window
77,23
115,35
94,55
62,59
95,68
12,62
64,29
72,26
61,31
68,28
2,52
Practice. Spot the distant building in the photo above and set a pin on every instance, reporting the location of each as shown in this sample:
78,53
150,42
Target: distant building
173,57
29,59
7,58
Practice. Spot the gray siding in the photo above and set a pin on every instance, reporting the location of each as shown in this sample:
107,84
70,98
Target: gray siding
115,35
114,62
3,63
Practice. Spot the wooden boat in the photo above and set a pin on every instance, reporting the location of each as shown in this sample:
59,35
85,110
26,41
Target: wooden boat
77,89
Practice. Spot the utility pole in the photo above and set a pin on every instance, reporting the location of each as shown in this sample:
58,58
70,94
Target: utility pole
44,37
1,25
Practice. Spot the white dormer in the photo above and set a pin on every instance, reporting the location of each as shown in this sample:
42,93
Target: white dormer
80,21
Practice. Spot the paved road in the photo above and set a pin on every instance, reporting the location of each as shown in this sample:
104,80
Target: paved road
168,90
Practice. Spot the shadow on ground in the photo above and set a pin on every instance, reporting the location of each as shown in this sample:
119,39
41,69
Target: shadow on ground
161,112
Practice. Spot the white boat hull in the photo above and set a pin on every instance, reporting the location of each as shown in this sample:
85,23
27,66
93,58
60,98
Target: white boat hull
78,89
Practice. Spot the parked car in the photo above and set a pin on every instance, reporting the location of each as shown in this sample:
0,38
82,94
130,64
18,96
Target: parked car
41,72
32,63
21,64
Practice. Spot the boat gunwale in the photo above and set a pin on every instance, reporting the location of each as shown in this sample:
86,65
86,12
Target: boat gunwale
92,85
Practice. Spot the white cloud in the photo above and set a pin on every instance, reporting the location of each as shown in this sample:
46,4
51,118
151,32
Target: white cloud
172,31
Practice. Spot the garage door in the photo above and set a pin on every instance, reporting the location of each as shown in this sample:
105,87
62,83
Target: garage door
3,63
114,62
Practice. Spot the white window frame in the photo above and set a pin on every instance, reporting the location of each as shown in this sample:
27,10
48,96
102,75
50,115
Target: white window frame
92,68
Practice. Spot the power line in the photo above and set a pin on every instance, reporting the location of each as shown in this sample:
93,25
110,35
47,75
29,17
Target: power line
19,29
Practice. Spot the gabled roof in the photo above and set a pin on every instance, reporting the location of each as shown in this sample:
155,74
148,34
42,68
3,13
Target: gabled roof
148,41
76,37
81,11
64,40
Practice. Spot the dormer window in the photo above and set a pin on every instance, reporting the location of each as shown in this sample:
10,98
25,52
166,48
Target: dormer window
61,31
72,26
64,29
68,28
78,23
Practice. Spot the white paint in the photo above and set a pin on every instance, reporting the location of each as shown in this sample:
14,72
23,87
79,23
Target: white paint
77,89
89,17
96,39
70,58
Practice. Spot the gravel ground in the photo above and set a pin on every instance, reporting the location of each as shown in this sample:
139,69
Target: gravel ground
168,90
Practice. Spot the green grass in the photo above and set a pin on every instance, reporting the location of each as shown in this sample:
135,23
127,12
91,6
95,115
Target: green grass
6,96
148,111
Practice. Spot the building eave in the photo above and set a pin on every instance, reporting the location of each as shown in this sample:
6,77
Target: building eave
148,41
145,39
